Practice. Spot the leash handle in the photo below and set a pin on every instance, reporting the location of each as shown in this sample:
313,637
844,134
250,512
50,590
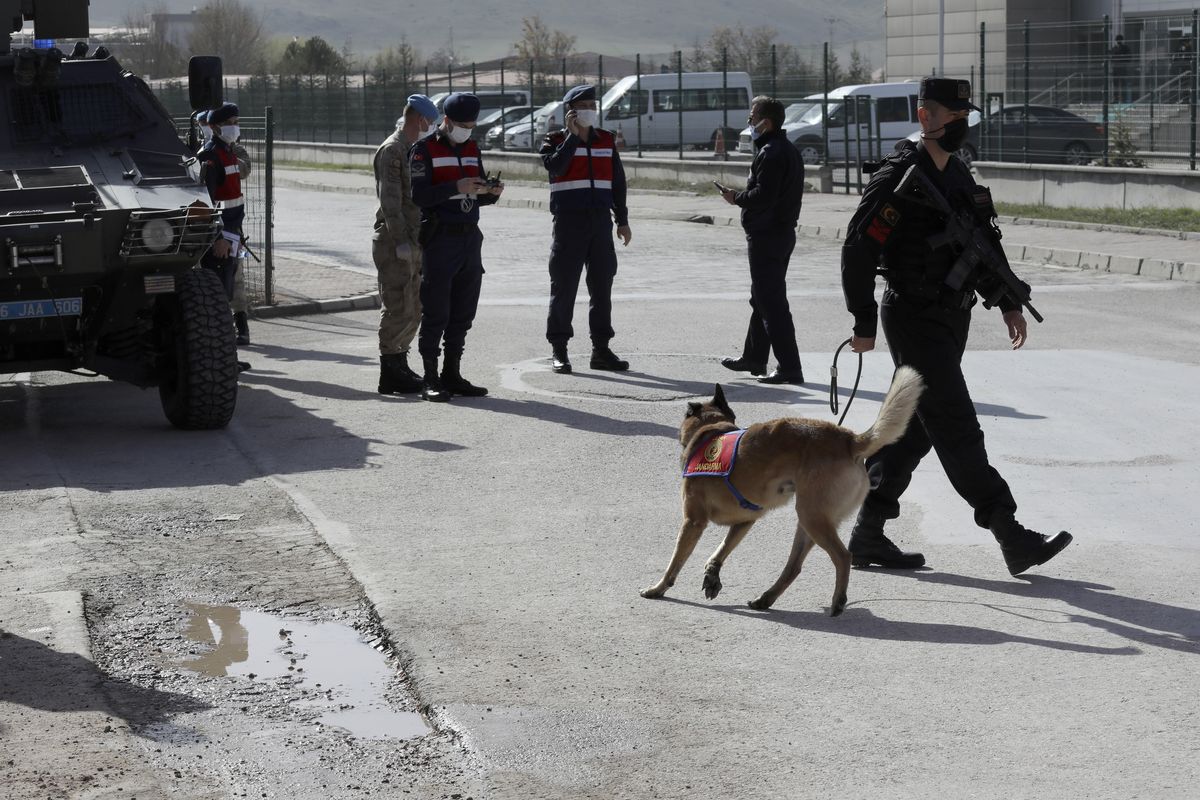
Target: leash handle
833,392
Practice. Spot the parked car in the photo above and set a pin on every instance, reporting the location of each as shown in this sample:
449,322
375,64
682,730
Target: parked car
492,119
549,116
1056,136
653,107
795,116
489,100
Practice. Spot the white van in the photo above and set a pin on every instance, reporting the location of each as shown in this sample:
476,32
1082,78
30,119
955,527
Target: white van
707,102
892,108
489,100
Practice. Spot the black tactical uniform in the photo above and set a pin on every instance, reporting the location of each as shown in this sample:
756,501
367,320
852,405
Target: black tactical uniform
926,325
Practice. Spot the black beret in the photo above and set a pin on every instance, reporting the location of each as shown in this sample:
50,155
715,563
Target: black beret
583,92
461,107
223,113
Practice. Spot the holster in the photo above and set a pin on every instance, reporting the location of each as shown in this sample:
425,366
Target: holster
429,229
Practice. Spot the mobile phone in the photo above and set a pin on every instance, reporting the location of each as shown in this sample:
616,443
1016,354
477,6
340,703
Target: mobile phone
720,188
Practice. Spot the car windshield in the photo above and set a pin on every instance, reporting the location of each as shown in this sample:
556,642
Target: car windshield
547,109
491,118
612,95
795,112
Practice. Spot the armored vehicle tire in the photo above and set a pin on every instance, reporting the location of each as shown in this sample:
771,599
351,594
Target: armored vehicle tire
199,379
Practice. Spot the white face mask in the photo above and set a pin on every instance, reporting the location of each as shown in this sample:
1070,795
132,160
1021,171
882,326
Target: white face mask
459,135
230,133
588,118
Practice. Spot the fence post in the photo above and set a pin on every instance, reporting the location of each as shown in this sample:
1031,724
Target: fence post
564,83
345,106
825,113
1195,67
426,79
1107,80
366,125
269,211
532,119
1025,120
502,95
473,80
983,120
312,102
600,82
724,100
450,75
637,102
774,75
679,98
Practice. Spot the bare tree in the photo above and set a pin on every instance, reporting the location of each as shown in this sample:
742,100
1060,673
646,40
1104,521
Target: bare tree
396,64
547,48
232,30
753,50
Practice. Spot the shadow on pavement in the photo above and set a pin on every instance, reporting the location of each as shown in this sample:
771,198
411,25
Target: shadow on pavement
294,354
105,436
864,623
39,677
569,417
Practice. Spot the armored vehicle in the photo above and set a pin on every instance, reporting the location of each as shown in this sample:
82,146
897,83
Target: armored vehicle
103,220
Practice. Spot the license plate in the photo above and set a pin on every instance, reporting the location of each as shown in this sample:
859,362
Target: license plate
39,309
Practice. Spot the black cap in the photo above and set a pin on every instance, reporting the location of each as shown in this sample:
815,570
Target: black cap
583,92
953,94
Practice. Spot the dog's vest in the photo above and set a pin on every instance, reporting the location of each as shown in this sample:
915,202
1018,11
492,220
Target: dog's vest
714,458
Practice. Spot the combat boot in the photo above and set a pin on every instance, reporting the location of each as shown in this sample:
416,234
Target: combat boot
395,377
431,385
242,323
605,359
560,362
1023,548
868,546
453,381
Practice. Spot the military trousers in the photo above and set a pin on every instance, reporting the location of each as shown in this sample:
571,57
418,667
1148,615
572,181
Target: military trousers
451,277
931,339
399,295
582,239
771,326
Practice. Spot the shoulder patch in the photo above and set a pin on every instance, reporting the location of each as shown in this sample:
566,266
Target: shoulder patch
417,168
889,214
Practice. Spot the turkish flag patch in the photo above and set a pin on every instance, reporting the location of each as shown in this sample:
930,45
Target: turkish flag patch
879,230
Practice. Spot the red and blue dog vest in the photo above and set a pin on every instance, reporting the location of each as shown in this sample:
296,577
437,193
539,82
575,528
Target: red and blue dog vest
715,458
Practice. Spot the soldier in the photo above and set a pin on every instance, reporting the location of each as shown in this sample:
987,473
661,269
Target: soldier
587,190
770,207
395,250
447,183
926,325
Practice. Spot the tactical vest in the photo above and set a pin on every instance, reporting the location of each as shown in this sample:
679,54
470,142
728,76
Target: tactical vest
447,166
587,182
229,193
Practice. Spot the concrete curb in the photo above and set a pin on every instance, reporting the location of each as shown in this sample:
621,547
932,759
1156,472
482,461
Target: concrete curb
362,302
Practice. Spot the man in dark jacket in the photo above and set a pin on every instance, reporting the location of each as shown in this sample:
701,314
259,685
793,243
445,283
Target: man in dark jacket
770,207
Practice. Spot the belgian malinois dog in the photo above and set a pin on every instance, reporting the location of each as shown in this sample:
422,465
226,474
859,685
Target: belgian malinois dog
815,464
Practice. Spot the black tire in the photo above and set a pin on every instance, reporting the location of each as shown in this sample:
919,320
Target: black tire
198,380
810,151
967,154
1077,153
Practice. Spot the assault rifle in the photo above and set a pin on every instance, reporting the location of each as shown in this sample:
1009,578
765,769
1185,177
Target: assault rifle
980,257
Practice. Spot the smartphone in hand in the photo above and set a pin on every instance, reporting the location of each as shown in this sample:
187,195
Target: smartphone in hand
720,188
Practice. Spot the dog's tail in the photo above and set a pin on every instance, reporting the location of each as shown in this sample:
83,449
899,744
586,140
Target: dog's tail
894,415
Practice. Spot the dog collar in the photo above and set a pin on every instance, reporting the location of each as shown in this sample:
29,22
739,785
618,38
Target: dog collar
715,458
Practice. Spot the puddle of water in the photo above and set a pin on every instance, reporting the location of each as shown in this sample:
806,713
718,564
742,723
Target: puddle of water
326,657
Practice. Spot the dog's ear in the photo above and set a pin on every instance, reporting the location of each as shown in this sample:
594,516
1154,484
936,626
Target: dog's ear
693,409
720,402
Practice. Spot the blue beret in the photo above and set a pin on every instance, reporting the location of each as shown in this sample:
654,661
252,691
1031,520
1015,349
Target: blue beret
223,113
584,92
423,106
461,107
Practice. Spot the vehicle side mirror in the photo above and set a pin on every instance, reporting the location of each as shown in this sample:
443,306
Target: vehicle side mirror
204,82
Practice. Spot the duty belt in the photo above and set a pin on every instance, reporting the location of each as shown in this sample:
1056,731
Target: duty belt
457,228
942,295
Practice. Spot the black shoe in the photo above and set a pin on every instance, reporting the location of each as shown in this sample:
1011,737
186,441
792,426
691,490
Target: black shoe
605,359
868,546
243,366
744,364
395,377
779,375
431,385
1024,549
454,383
559,362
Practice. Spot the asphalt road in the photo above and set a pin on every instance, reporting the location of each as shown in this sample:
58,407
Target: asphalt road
503,540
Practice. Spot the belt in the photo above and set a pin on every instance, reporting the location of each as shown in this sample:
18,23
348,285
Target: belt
458,228
941,295
235,203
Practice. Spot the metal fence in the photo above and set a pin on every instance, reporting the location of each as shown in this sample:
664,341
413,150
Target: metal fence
257,136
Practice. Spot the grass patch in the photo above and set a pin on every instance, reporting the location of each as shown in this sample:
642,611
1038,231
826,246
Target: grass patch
1170,219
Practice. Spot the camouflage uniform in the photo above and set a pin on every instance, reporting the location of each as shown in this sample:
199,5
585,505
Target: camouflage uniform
397,222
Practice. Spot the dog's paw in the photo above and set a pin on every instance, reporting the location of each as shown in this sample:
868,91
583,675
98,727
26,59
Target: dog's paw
760,603
653,592
839,605
712,585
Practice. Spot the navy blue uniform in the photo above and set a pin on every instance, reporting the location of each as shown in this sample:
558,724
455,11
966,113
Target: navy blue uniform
222,177
587,190
452,264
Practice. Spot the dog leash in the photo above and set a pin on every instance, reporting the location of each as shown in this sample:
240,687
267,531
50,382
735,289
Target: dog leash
833,393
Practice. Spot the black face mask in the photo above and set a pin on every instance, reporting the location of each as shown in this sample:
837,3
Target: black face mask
953,135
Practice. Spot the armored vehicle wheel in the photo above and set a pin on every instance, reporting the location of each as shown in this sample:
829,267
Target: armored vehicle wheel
199,377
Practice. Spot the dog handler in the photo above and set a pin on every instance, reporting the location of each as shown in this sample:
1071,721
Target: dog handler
926,325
